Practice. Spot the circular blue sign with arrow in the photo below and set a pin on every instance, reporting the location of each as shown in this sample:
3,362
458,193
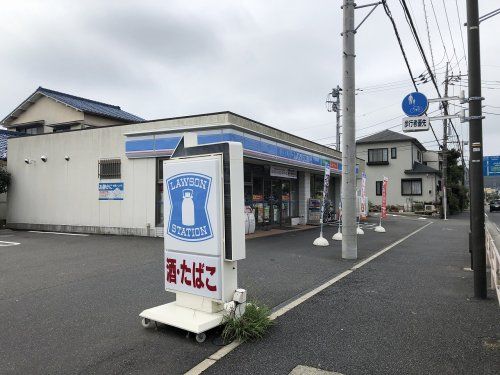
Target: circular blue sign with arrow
415,104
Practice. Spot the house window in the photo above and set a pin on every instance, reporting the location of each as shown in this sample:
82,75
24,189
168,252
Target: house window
110,168
411,186
61,128
419,156
378,187
378,156
394,153
30,130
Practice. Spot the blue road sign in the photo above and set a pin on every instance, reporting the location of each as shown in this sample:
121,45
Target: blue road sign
491,165
415,104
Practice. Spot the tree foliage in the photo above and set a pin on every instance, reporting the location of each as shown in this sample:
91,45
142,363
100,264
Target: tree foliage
458,199
4,180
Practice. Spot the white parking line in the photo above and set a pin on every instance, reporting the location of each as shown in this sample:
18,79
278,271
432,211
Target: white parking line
7,243
205,364
64,234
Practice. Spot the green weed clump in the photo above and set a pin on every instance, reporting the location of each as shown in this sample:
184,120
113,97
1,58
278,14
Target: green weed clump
252,325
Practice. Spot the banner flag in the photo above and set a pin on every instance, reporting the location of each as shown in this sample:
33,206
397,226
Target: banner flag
363,208
326,183
384,198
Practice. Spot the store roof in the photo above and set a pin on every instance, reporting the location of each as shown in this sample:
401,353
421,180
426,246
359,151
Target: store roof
81,104
389,136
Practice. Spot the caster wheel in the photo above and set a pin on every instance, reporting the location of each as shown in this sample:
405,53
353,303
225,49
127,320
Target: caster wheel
201,337
147,323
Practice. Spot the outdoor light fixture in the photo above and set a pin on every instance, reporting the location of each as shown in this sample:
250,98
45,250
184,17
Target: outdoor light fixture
66,158
44,158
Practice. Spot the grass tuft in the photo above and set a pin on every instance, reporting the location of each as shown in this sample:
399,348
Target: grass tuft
251,326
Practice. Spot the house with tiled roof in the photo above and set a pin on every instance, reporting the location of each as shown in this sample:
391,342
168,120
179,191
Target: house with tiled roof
4,137
50,111
413,172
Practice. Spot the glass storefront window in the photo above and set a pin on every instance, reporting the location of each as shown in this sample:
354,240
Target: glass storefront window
317,186
294,198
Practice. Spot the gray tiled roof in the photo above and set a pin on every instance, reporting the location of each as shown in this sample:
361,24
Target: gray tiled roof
4,136
91,106
421,168
389,136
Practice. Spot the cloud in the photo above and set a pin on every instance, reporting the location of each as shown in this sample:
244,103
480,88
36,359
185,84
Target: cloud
271,61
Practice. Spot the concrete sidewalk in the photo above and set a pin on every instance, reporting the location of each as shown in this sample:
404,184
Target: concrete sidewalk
408,311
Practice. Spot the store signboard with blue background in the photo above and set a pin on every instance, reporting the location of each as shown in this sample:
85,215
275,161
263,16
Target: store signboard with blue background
193,205
188,194
158,145
111,191
415,104
491,165
194,225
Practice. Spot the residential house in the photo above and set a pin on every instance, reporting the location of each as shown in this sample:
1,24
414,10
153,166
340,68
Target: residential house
4,136
49,111
402,159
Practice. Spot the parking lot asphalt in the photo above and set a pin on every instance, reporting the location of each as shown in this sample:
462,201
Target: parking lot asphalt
408,311
70,304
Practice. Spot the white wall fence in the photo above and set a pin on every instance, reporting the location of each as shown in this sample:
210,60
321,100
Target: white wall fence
493,259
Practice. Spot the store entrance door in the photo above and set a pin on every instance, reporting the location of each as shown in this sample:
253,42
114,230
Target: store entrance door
275,202
279,202
285,203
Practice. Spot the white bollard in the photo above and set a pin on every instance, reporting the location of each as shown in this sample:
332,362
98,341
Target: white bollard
320,241
337,236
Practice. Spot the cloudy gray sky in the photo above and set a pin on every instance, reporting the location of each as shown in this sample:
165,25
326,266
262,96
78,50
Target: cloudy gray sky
273,61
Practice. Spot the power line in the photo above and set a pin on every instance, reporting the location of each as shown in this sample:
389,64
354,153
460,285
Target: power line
451,34
388,13
439,30
429,37
461,33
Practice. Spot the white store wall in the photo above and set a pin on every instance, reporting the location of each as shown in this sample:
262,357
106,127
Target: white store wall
61,192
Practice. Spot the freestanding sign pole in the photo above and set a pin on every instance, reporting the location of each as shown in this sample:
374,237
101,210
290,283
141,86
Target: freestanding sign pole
204,235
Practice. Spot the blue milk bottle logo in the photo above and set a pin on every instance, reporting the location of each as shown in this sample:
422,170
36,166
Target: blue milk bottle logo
188,194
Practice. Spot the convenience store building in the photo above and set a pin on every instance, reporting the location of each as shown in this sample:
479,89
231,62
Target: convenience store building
108,179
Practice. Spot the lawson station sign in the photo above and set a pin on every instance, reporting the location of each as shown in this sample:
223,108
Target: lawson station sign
188,195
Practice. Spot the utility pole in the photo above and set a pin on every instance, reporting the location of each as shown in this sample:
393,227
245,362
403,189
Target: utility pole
334,106
476,182
337,105
348,191
445,147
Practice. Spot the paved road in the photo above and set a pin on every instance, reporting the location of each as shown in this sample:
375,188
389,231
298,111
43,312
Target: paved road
70,304
408,311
